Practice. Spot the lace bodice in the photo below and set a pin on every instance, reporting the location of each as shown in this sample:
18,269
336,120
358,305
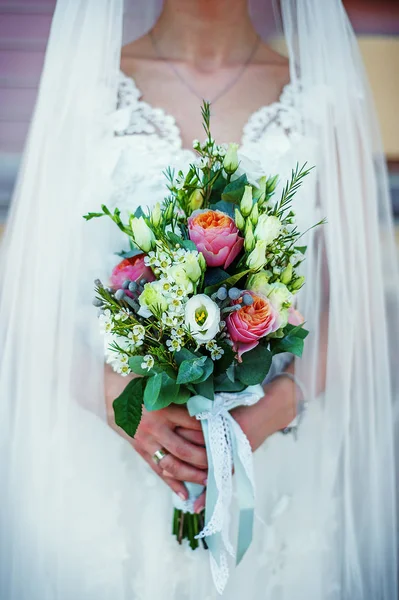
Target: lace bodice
147,140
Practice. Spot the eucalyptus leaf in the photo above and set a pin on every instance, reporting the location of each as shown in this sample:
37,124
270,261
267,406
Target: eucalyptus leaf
184,243
185,354
215,276
301,249
206,388
128,406
182,396
255,365
223,206
191,370
135,367
296,331
224,384
234,190
207,370
129,253
152,390
290,343
225,361
139,212
168,391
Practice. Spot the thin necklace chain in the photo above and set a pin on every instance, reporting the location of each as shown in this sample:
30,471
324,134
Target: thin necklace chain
190,87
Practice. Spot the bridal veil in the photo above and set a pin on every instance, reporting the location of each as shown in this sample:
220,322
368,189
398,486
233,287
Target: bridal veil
51,354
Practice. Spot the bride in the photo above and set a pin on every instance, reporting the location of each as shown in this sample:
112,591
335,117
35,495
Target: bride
85,511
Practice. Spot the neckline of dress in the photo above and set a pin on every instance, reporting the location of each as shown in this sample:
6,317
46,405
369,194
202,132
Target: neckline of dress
284,99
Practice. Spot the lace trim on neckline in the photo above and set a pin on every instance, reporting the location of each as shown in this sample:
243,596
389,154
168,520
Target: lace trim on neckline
157,121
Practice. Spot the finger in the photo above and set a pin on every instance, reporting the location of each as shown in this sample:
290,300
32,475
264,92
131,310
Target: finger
186,451
174,467
192,435
177,486
178,415
199,504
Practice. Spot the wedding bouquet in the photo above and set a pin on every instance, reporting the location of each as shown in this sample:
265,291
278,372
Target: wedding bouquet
198,306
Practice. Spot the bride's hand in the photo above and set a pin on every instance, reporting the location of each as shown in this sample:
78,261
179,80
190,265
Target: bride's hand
171,428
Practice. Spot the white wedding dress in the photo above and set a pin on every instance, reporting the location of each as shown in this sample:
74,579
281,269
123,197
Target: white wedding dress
117,541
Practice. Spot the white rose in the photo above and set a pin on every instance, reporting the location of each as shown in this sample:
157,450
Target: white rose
267,228
202,317
251,168
142,234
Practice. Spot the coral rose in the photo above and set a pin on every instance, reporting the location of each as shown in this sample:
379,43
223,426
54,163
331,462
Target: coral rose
294,317
215,235
247,325
132,269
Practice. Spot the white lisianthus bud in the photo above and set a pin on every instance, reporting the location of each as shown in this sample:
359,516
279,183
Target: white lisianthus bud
286,275
257,259
230,162
298,283
271,184
249,240
142,234
268,228
239,219
260,192
202,318
152,300
202,262
196,200
178,274
156,215
169,213
192,267
246,201
254,214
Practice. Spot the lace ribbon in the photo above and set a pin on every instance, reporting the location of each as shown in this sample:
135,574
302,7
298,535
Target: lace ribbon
227,446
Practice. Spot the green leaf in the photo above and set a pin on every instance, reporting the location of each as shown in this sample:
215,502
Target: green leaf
135,367
152,390
183,395
206,388
223,206
215,276
230,282
128,406
90,216
255,365
292,344
130,253
191,370
207,368
167,393
224,384
184,243
184,354
233,191
225,362
139,212
296,331
301,249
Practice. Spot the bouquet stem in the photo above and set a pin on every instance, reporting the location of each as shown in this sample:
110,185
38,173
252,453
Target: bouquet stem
186,526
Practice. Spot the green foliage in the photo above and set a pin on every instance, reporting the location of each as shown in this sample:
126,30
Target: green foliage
226,207
293,340
184,243
135,367
195,370
224,384
128,407
205,388
161,391
233,191
255,365
229,282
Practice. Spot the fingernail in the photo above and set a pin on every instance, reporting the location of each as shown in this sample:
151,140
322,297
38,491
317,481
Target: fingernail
206,481
167,474
182,496
199,508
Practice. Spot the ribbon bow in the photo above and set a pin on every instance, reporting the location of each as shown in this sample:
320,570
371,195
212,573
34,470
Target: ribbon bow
227,446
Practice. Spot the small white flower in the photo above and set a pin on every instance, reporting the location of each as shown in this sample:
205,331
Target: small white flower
148,362
217,353
176,305
174,345
122,315
139,330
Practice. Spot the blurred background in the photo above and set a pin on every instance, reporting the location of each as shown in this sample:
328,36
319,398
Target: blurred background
25,25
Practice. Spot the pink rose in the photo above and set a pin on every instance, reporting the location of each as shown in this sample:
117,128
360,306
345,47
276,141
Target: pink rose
216,235
132,269
247,325
294,317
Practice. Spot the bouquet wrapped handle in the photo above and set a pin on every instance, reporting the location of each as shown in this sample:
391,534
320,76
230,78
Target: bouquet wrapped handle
227,447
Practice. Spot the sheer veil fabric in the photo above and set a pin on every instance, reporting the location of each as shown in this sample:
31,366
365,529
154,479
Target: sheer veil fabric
51,355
